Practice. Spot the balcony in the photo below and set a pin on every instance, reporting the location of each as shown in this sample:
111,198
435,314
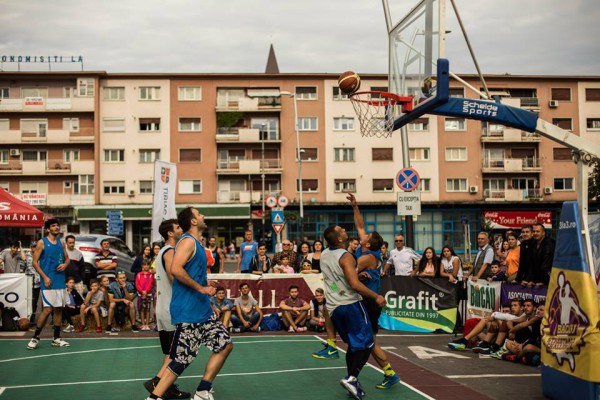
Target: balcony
245,135
244,167
226,196
512,195
530,103
85,135
225,103
508,135
529,164
12,167
41,104
47,167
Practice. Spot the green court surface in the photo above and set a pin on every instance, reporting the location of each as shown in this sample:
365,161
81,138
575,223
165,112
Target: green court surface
260,367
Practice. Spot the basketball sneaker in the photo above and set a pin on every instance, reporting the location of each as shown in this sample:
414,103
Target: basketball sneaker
328,352
459,344
350,383
69,328
58,342
173,392
204,395
388,381
33,344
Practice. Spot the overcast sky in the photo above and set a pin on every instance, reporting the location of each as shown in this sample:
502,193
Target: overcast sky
508,36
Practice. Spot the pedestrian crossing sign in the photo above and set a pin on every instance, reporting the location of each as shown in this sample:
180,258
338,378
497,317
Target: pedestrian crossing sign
277,217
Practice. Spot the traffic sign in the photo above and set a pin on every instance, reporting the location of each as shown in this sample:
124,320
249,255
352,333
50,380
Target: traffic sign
277,228
271,201
409,203
408,179
283,201
277,217
114,214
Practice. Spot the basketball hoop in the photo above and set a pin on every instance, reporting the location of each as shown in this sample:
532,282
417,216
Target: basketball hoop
377,111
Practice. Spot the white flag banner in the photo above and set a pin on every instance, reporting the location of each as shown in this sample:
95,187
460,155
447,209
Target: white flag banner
165,185
14,293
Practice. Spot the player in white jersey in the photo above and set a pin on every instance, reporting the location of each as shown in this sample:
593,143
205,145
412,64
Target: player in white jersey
171,232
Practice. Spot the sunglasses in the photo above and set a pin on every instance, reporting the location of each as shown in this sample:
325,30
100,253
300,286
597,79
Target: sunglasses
398,241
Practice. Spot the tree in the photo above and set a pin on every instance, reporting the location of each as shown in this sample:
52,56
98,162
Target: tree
594,181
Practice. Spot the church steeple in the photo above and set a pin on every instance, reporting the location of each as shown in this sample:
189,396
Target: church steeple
272,67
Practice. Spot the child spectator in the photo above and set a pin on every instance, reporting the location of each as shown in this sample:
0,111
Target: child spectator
260,263
74,302
284,267
497,274
307,268
103,308
92,302
221,306
317,320
144,283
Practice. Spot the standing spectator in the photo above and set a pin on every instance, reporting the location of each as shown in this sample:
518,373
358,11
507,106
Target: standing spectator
512,257
402,258
248,315
232,250
247,251
497,275
50,259
502,252
303,253
74,302
12,258
136,267
317,319
144,283
155,250
287,251
222,306
261,263
75,269
526,254
428,265
91,304
30,270
385,255
451,267
106,262
121,295
219,264
542,257
352,245
294,311
315,256
484,257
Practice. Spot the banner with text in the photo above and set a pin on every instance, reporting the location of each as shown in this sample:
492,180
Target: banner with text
15,292
514,291
516,219
418,305
165,182
483,298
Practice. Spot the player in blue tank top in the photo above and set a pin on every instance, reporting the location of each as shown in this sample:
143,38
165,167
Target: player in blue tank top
191,313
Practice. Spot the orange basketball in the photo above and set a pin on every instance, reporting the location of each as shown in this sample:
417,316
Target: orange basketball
349,82
23,324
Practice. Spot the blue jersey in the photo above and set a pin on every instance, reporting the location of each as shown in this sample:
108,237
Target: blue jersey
52,256
187,304
249,250
375,274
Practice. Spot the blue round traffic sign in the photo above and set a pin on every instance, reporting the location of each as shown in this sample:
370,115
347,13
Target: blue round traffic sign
408,179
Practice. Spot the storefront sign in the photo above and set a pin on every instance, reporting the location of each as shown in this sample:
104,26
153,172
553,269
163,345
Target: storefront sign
35,199
516,219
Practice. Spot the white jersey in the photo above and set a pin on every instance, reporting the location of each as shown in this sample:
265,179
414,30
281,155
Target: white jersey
164,291
337,290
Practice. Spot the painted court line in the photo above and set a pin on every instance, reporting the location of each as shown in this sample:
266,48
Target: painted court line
491,376
2,389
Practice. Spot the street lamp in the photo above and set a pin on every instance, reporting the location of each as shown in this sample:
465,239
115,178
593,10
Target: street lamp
299,156
263,133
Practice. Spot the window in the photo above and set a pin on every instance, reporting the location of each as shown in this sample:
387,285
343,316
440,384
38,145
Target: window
307,123
592,94
382,154
149,125
345,185
562,94
113,124
85,87
306,92
34,155
309,154
4,93
71,155
308,185
343,124
146,187
457,92
4,124
190,187
4,154
189,93
425,185
36,126
34,187
5,185
190,124
564,123
71,124
149,93
455,124
116,187
85,185
419,154
34,92
456,154
593,124
563,184
113,93
561,154
419,124
456,185
190,155
69,92
114,155
383,185
344,154
338,94
149,155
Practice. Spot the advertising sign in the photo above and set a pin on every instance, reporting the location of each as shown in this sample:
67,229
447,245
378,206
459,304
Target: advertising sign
516,219
483,298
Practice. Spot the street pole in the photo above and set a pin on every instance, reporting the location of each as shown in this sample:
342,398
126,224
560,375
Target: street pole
262,170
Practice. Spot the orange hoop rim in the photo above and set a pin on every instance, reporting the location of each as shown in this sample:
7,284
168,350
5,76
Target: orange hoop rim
389,98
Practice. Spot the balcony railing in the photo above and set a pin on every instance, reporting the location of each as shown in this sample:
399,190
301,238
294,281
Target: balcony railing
244,196
512,194
48,104
248,103
245,135
249,166
507,135
529,164
85,135
11,167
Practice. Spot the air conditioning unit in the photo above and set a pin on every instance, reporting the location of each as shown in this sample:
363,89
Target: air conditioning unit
548,190
131,193
473,189
15,152
553,103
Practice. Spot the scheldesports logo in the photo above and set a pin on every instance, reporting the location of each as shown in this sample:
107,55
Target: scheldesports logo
566,324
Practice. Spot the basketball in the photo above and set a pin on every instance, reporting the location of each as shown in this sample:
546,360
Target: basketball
349,82
23,324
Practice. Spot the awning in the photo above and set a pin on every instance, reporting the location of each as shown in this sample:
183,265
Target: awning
15,213
143,212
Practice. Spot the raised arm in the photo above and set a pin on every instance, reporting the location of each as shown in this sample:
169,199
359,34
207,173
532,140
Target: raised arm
348,265
358,219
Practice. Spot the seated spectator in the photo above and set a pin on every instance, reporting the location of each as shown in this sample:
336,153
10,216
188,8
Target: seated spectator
428,265
103,308
260,263
120,296
519,329
248,314
145,283
316,320
497,274
294,311
284,267
307,268
222,306
91,304
528,353
74,302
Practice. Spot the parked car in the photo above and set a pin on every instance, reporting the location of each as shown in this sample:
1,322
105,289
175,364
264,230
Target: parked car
90,247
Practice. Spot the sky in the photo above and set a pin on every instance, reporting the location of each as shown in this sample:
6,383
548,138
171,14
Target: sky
540,37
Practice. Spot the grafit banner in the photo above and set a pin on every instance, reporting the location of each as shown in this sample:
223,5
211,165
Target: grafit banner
418,304
483,298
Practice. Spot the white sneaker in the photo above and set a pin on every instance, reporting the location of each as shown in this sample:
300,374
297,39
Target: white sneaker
69,328
33,344
204,395
60,343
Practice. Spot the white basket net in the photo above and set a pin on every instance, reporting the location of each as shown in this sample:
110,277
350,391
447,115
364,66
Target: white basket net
376,112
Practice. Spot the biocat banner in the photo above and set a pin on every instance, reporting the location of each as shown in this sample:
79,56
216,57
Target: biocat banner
483,298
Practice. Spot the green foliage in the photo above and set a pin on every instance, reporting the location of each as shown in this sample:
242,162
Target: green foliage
594,181
228,119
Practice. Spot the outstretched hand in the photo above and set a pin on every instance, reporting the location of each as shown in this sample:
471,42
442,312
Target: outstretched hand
351,199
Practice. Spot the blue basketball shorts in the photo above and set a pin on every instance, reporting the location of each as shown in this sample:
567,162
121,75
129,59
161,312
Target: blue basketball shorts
352,323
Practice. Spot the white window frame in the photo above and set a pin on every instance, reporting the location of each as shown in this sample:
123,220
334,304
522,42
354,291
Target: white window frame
338,94
4,124
343,123
344,154
304,152
146,187
194,127
69,92
84,185
5,185
148,155
308,190
4,156
308,123
114,155
191,148
4,92
153,126
35,92
119,128
419,127
189,186
564,179
149,93
454,154
85,87
189,93
33,187
40,126
113,93
455,124
114,188
40,155
344,185
71,124
306,96
425,185
459,181
71,155
386,190
423,152
595,121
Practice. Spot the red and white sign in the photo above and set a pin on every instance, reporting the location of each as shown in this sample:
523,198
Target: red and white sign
283,201
35,199
277,228
516,219
271,201
34,101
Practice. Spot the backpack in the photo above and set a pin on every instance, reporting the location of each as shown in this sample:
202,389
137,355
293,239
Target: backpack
10,316
271,323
